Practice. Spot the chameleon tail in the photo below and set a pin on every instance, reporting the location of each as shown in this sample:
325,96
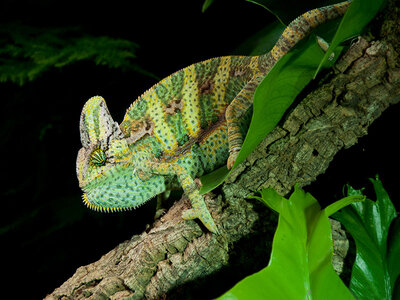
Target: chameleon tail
300,28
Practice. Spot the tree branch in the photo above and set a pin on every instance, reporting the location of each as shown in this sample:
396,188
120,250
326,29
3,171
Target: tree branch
178,258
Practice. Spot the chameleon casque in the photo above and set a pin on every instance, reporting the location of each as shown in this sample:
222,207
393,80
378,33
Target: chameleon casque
187,125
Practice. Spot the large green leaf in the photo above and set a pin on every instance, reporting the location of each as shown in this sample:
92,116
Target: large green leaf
393,252
377,263
301,259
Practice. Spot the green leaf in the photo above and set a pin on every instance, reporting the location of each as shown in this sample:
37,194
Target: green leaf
334,207
393,252
212,180
31,51
262,41
206,5
369,222
301,259
271,198
396,292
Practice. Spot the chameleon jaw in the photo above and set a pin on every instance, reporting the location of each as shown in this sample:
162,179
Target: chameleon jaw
121,189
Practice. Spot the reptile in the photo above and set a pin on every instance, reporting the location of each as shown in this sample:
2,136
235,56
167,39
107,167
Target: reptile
186,125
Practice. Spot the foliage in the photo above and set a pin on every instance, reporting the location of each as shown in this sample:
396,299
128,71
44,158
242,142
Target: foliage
26,52
206,5
287,78
300,266
377,264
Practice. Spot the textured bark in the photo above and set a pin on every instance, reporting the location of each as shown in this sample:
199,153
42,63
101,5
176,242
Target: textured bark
180,259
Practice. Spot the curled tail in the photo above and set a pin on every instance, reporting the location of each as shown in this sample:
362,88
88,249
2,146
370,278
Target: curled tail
300,28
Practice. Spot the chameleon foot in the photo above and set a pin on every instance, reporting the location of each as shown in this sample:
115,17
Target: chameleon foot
202,214
159,213
232,159
160,210
199,209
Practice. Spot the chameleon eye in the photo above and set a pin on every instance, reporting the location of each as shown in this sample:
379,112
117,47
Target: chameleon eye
98,157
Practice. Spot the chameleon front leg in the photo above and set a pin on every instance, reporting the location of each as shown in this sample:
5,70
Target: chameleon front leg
199,209
234,113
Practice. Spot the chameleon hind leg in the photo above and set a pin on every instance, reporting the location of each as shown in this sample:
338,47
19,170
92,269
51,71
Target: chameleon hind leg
234,113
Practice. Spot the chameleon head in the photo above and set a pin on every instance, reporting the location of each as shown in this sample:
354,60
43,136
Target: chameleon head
104,163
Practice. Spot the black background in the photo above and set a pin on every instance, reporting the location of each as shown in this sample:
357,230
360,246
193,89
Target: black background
45,230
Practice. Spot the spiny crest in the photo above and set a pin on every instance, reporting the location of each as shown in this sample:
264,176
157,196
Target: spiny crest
104,209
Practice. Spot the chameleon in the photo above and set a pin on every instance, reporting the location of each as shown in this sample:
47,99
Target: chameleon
186,125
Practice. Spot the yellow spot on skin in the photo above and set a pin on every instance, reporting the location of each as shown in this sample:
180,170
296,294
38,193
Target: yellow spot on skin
342,7
314,17
292,35
277,52
162,131
220,83
254,64
191,106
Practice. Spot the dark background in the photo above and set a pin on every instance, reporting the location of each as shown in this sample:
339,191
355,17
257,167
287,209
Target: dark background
45,230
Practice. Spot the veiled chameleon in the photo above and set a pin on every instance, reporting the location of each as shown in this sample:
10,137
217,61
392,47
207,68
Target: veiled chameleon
186,125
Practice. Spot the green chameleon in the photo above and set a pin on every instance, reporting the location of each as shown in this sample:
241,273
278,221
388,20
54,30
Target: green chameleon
187,125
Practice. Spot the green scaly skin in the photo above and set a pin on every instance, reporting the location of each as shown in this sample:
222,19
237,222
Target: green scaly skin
187,125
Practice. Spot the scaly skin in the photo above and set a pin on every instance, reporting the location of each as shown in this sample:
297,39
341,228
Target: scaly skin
188,124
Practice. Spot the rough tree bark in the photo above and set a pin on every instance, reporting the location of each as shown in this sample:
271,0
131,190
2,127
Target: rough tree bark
180,259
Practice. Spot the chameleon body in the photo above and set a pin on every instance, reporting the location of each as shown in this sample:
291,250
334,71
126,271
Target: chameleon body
186,125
